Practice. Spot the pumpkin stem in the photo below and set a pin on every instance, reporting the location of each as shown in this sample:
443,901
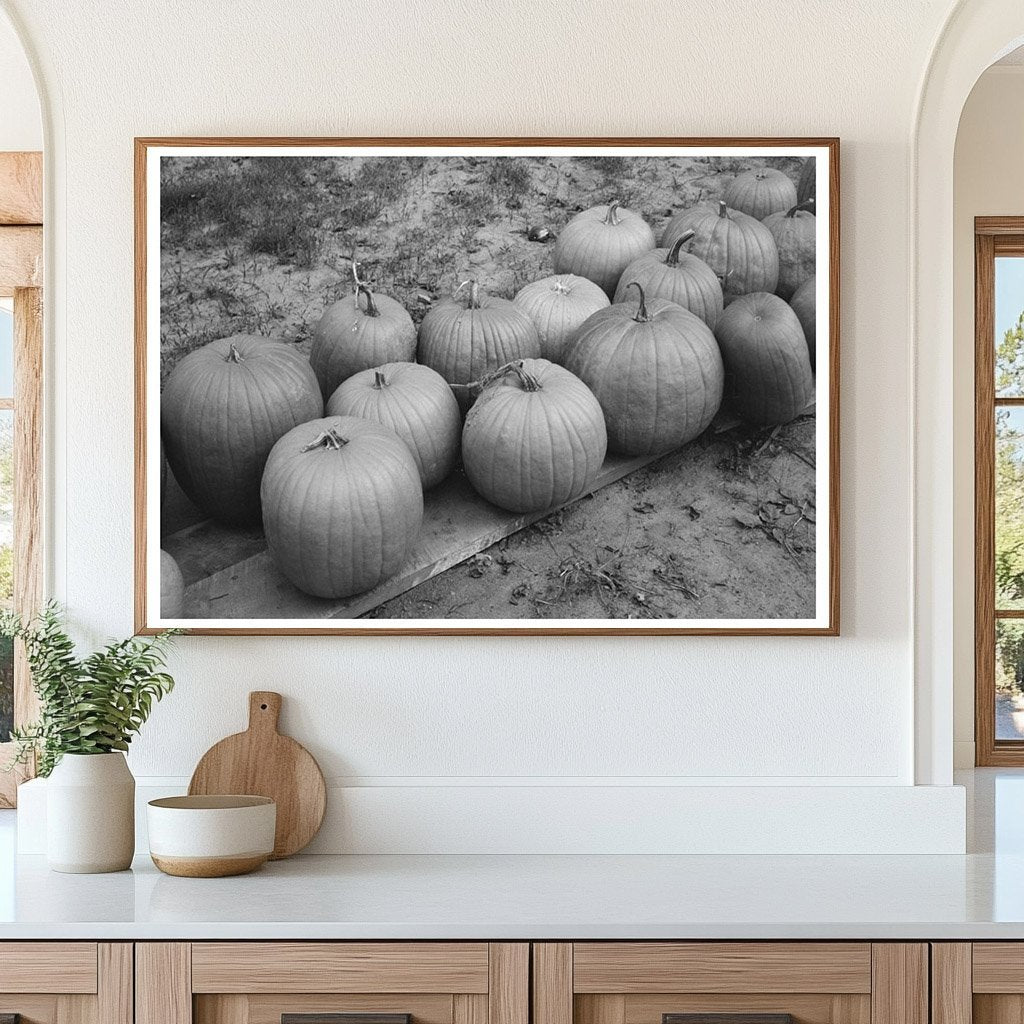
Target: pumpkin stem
329,439
723,210
528,380
371,307
474,288
672,259
355,277
642,316
807,204
234,356
379,380
612,216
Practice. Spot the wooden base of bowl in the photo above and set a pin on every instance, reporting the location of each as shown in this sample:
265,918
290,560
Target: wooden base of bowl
209,867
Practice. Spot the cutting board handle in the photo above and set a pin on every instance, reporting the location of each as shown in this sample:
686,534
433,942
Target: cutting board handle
264,710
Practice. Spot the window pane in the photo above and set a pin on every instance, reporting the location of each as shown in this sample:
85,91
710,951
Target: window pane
1009,679
6,352
1009,322
1009,532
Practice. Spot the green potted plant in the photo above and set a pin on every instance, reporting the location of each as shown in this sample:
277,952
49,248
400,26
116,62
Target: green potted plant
90,708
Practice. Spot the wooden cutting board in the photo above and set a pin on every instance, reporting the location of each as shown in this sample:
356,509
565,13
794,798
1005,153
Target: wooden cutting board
262,762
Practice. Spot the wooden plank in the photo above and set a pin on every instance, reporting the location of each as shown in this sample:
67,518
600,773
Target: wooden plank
163,983
552,983
997,1009
339,967
115,983
998,967
899,990
508,991
457,523
21,1008
467,1009
21,188
21,259
630,967
65,967
227,1009
603,1009
951,983
806,1008
268,1008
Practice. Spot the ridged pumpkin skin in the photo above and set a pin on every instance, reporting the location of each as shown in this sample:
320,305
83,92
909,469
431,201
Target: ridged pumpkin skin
740,250
678,277
656,371
805,186
761,192
534,439
794,234
342,505
557,306
465,340
767,370
600,243
222,408
172,588
804,302
416,403
357,333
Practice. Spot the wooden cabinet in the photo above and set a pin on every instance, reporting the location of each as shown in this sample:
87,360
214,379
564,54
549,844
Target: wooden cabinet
978,983
66,982
306,982
753,982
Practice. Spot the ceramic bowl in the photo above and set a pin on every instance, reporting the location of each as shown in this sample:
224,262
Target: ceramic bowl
211,836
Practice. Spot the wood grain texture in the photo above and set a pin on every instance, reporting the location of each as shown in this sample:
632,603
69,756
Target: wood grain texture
21,188
115,995
599,1009
805,1008
508,992
21,259
468,1008
225,1009
899,989
998,967
143,144
31,1009
727,1018
633,967
65,967
262,762
346,1018
163,983
269,1009
304,967
552,983
998,1009
951,983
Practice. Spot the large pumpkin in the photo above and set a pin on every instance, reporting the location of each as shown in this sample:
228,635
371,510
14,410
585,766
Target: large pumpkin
342,505
761,192
655,369
357,333
557,306
465,340
678,277
534,439
794,233
767,370
739,249
416,403
804,301
600,243
805,186
172,588
222,408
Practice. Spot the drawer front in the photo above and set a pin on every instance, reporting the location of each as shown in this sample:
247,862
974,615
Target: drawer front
64,967
981,982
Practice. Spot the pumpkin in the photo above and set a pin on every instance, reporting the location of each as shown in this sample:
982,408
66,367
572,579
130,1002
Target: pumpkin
600,243
358,333
342,505
761,192
794,233
803,302
465,341
163,474
534,439
739,249
222,408
678,277
654,368
805,185
416,403
557,306
172,588
767,369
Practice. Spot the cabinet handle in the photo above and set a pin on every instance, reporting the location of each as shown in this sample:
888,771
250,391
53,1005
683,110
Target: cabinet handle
727,1018
335,1018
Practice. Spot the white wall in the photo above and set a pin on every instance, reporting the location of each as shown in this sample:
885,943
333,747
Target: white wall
21,126
811,712
987,181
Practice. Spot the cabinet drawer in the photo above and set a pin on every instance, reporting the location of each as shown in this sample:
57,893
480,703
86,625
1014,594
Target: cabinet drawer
65,967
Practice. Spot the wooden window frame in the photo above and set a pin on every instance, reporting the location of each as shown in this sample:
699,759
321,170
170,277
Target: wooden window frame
21,278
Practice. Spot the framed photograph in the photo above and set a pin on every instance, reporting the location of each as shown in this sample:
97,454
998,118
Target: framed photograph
450,386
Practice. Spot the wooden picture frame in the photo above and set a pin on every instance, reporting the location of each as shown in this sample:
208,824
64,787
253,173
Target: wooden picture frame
148,219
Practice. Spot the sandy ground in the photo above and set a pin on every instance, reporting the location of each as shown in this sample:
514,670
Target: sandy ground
722,528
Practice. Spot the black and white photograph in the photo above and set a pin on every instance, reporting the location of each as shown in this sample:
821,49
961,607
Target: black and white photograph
455,386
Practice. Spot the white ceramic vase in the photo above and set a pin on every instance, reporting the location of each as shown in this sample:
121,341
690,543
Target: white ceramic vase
90,814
